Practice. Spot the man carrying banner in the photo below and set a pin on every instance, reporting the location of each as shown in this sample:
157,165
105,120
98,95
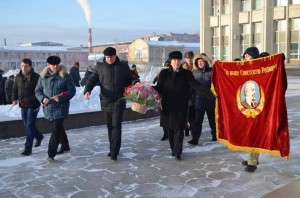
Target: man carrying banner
252,161
251,113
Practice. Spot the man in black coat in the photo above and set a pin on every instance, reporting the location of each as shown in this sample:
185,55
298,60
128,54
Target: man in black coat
113,75
24,93
174,85
74,72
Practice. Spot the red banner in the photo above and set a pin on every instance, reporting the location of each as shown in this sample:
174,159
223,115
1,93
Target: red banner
251,112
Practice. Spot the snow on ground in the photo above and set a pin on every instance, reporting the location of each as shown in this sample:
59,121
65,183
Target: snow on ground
78,103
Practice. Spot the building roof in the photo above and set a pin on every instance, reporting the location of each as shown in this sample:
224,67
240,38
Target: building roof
170,43
41,48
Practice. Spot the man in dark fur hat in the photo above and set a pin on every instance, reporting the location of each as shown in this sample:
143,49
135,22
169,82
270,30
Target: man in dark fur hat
113,75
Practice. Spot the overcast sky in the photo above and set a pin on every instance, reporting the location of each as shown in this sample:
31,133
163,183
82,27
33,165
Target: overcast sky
112,21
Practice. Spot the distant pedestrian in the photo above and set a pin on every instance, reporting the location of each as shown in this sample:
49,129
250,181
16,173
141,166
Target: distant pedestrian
165,136
113,75
167,65
188,65
23,93
55,89
1,74
74,72
8,88
134,72
2,91
87,74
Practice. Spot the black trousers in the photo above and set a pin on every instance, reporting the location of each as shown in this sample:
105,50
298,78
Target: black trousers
114,127
198,121
58,135
176,141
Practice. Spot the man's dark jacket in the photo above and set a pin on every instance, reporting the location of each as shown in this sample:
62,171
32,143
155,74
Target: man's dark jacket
24,90
113,79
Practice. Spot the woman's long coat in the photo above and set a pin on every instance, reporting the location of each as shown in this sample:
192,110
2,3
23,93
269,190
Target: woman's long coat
175,91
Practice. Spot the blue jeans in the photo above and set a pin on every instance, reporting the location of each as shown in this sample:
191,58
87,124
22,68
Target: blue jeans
29,119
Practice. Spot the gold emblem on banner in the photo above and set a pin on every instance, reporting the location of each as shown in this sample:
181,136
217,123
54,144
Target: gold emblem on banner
250,111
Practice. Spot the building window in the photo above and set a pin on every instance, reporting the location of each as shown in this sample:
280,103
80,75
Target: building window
215,43
280,36
295,1
245,5
257,4
245,37
295,39
257,35
281,2
225,9
225,35
215,7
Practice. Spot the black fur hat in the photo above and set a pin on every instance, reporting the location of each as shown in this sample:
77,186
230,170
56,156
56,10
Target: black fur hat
109,51
175,55
252,51
53,60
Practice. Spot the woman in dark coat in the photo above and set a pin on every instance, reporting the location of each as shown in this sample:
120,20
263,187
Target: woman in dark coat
174,85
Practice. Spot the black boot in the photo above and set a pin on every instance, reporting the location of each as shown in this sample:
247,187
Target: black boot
164,138
63,149
250,168
186,131
38,142
26,153
193,142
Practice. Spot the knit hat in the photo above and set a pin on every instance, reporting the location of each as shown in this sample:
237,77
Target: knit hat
175,55
189,54
53,60
109,51
252,51
264,54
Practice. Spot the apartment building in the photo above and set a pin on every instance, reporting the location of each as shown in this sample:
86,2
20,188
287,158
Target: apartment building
11,56
228,27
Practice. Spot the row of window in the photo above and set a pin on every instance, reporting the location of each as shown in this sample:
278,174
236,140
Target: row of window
245,5
279,37
39,55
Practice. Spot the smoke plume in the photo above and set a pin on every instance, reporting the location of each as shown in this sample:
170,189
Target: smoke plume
84,4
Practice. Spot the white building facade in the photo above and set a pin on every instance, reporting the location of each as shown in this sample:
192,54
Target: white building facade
228,27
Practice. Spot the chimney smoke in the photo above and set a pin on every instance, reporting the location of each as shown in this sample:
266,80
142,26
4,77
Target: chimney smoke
90,40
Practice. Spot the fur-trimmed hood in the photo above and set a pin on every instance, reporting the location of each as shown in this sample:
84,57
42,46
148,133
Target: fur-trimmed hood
200,56
62,72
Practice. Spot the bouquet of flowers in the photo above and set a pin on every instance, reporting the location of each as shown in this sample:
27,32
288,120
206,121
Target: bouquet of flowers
142,97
